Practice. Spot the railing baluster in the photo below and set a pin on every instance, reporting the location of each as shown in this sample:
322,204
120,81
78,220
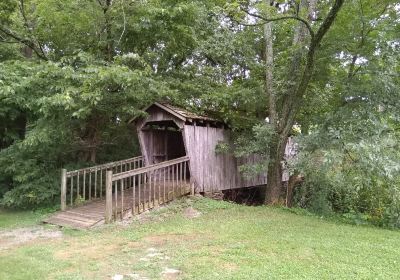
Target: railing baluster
90,184
159,187
116,199
101,183
95,183
130,178
177,178
184,175
84,184
150,181
173,181
169,182
182,189
139,183
63,189
165,174
122,198
154,187
72,189
134,195
180,178
77,185
144,188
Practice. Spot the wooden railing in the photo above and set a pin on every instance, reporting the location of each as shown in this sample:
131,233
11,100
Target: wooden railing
86,184
140,189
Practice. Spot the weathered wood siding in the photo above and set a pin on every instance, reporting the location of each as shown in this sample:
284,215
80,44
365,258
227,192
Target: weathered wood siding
161,145
157,114
211,171
155,143
254,180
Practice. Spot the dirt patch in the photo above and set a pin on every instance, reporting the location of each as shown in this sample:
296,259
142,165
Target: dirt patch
170,273
191,213
93,251
162,239
15,237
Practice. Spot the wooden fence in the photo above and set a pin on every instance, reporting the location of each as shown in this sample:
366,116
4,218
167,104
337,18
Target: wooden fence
86,184
143,188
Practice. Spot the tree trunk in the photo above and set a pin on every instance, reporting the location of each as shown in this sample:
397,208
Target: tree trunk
274,174
294,180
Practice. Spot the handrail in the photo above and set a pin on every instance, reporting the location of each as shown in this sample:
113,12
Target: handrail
87,183
145,169
102,166
145,187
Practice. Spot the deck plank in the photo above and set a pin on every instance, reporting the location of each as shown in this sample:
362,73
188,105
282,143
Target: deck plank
92,213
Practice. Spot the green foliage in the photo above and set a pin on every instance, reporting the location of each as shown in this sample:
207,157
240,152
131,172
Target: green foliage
100,65
257,143
71,106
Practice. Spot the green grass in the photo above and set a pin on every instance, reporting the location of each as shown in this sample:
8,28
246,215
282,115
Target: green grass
13,219
227,241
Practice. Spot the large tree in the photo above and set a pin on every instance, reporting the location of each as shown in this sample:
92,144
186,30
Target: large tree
310,21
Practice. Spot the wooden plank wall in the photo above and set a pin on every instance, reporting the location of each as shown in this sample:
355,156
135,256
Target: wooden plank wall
153,143
255,180
157,114
161,145
209,170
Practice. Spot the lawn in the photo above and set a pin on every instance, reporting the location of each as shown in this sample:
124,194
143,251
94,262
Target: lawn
227,241
13,219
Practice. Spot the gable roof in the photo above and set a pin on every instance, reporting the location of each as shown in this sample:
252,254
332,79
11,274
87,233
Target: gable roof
181,113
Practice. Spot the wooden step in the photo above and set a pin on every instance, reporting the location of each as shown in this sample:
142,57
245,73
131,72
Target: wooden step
86,214
66,223
74,220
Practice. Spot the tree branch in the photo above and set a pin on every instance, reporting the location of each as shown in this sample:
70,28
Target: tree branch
308,70
24,41
305,22
38,46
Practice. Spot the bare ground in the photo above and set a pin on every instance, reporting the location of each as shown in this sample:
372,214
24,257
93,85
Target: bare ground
15,237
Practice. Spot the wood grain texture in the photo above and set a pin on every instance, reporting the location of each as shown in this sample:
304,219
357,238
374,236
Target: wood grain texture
136,200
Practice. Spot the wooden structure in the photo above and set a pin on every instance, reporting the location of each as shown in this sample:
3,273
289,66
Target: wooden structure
169,132
103,193
178,156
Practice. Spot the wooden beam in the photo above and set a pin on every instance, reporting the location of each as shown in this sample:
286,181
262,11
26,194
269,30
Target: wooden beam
63,189
152,167
108,214
172,112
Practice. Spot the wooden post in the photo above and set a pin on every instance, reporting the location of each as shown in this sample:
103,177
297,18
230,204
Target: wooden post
63,189
165,174
90,184
139,187
72,190
122,198
95,183
101,183
108,217
134,195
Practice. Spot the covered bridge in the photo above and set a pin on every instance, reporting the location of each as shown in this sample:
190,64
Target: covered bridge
169,132
178,156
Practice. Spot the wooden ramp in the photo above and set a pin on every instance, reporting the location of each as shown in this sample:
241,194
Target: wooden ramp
146,196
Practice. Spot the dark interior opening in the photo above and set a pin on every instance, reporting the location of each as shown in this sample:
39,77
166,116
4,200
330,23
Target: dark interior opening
252,196
164,141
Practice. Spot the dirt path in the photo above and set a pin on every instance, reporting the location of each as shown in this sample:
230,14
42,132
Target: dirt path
15,237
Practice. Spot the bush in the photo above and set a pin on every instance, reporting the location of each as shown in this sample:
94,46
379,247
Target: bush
356,181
